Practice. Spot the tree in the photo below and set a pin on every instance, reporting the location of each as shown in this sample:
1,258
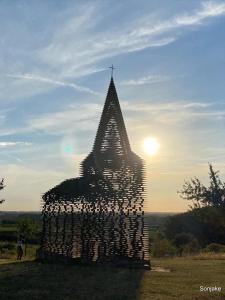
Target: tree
27,228
1,188
162,247
188,222
206,224
200,195
181,240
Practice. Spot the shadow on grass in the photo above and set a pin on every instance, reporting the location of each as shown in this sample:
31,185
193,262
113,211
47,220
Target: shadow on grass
67,282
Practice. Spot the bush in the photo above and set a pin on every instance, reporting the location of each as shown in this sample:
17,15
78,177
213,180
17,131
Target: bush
192,247
9,246
6,248
182,240
214,247
163,248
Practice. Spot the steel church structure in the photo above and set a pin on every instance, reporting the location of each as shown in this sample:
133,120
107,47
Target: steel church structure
98,218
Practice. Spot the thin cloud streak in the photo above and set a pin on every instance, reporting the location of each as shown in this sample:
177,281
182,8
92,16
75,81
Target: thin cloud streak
72,119
71,58
169,106
172,113
85,117
13,144
54,82
62,55
150,79
208,10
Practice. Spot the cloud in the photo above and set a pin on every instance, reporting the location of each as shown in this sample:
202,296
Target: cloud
206,11
172,112
209,10
71,57
159,107
12,151
146,80
54,82
7,144
82,117
85,117
80,42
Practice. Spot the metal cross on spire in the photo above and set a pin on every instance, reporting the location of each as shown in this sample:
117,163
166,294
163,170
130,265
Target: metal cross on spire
112,68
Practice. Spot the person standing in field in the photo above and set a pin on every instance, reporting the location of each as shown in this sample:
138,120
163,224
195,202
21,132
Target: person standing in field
19,248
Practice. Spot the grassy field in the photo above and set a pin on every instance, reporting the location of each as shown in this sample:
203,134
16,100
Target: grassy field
7,228
180,279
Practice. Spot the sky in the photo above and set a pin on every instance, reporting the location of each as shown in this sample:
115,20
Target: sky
55,55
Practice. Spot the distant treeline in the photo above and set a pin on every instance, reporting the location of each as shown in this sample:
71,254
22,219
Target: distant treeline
12,217
206,224
12,224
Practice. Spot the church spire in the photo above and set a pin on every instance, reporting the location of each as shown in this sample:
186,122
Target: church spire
112,131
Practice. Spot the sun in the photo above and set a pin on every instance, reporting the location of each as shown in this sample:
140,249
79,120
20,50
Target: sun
151,145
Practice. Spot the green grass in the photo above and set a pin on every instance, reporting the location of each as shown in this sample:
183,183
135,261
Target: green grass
8,228
32,280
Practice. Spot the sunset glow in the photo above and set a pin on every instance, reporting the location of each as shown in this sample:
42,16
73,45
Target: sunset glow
151,145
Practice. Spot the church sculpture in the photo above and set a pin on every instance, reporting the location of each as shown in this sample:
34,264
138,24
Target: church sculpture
98,218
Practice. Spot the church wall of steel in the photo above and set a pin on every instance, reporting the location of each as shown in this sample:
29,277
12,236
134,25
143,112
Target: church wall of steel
99,216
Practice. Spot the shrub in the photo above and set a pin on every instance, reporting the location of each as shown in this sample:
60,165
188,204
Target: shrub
181,241
192,247
9,246
6,248
163,248
214,247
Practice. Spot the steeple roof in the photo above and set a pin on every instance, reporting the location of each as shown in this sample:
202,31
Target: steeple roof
112,131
